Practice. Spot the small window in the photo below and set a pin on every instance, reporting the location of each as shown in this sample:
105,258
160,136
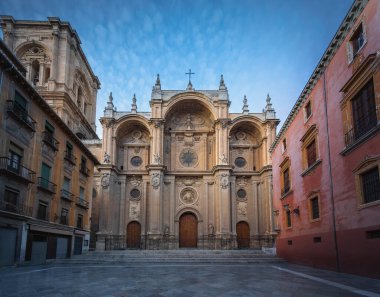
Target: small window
317,239
135,193
81,193
373,234
288,218
314,208
10,199
286,180
240,162
49,128
20,102
64,220
14,159
307,110
42,210
358,39
80,221
66,184
290,242
136,161
371,185
311,152
69,149
284,145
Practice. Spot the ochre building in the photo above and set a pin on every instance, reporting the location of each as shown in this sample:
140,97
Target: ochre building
187,174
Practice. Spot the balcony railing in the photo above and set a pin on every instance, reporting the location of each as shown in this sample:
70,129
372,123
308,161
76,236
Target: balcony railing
46,185
18,208
20,114
48,138
16,169
285,190
361,127
81,202
67,195
69,156
84,170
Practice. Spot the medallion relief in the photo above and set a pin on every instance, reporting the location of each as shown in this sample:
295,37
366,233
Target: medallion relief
242,209
188,196
134,210
224,181
156,180
188,157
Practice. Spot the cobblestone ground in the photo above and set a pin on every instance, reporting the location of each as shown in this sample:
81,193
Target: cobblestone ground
282,279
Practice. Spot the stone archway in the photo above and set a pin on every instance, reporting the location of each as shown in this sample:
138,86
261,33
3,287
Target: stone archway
133,235
242,231
188,230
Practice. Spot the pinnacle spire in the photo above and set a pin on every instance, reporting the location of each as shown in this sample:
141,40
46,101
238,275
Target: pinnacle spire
134,105
269,110
245,105
222,86
110,108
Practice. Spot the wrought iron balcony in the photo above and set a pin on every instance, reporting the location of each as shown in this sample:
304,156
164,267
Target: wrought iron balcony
15,169
69,156
67,195
81,202
285,190
18,208
84,170
48,138
46,185
361,127
20,114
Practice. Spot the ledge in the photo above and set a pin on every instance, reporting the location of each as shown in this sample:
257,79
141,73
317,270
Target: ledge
311,168
371,133
286,194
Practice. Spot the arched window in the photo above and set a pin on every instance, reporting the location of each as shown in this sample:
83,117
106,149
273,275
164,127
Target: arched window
35,72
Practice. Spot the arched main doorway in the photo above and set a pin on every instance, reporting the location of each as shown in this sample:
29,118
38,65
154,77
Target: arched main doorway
133,235
188,231
242,231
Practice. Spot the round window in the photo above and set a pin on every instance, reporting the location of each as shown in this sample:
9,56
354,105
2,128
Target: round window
188,157
135,193
136,161
240,162
241,193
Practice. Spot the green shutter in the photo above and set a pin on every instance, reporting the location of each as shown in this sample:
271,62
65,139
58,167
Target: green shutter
45,171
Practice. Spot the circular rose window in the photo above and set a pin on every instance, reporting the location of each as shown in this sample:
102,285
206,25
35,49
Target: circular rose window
241,193
240,162
136,161
188,157
135,193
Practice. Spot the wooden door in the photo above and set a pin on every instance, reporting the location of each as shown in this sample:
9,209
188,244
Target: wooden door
133,235
188,231
242,230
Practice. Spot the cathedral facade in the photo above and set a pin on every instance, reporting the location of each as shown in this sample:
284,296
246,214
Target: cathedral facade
187,174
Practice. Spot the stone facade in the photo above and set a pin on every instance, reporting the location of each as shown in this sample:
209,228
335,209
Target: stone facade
189,155
57,67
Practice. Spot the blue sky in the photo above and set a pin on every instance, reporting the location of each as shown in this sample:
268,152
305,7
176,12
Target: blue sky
260,46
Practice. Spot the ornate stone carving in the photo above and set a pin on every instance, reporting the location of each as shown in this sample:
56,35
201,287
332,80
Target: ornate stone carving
156,180
224,181
188,121
242,209
188,196
224,159
187,181
156,158
134,210
211,229
135,181
135,194
188,158
105,180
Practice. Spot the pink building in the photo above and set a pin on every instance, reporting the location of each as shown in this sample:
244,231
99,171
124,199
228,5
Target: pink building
326,157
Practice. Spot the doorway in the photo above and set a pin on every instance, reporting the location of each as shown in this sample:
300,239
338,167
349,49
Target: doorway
242,231
188,231
133,235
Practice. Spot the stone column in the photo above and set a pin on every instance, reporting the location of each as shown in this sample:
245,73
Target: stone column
255,204
122,205
54,64
224,203
233,205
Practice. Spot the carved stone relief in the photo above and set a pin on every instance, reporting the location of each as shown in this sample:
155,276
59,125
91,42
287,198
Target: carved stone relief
242,209
156,180
134,210
188,157
224,181
188,196
105,180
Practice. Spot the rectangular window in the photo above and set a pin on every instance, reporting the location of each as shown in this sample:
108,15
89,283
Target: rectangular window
66,184
357,40
10,199
64,216
314,208
288,218
81,193
20,102
364,110
286,180
42,211
69,149
80,221
373,234
49,128
317,239
307,110
284,145
371,185
311,152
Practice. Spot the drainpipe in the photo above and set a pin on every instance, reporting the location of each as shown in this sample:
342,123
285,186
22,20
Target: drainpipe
330,174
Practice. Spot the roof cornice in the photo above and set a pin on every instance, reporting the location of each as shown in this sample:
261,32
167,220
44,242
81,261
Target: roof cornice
356,8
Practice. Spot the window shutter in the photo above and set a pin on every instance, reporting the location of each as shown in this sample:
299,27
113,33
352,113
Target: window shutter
350,54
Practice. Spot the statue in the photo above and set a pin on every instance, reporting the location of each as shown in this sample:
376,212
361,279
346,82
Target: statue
157,158
211,230
189,125
107,158
166,231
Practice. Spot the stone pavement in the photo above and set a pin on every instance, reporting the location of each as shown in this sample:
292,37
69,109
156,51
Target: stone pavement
160,279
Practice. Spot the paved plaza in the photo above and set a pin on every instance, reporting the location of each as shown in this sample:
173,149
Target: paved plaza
259,279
